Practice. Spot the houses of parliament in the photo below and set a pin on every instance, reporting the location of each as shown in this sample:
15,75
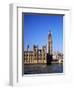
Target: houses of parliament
37,55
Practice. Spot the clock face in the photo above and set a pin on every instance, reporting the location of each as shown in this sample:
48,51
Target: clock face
50,39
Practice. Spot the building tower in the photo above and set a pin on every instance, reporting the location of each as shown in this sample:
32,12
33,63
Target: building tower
50,43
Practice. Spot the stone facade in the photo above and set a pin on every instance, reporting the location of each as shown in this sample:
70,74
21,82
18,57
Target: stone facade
35,56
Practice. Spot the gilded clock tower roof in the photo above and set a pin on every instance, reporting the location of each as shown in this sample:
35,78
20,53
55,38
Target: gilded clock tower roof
49,34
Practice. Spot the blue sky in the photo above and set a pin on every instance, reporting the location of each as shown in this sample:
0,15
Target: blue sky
36,28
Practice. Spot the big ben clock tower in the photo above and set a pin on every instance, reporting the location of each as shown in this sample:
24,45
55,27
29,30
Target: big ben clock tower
49,54
50,43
